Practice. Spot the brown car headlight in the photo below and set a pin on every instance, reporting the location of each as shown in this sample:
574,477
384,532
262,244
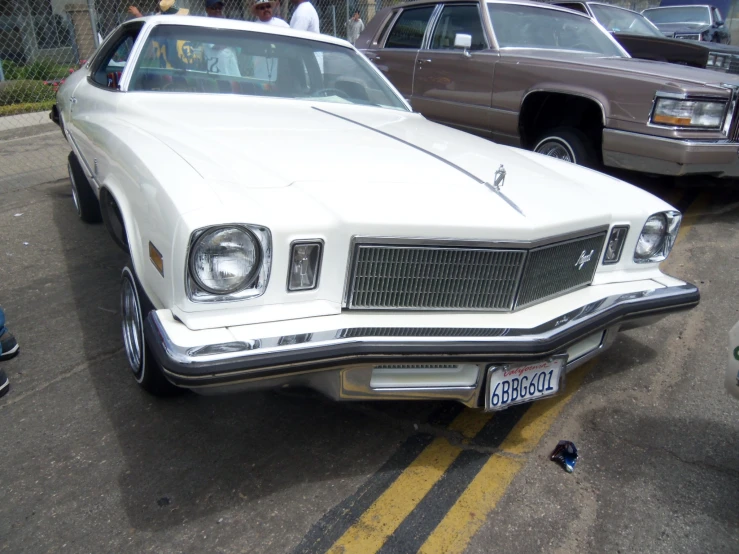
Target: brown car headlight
305,265
657,237
677,112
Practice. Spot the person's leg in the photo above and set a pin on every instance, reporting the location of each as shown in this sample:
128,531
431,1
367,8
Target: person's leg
8,344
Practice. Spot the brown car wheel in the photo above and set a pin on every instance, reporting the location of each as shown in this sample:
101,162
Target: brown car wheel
567,144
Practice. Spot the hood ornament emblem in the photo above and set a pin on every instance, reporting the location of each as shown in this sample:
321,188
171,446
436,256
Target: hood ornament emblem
583,259
499,181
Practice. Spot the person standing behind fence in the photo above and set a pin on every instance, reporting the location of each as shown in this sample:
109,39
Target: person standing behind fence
305,17
262,10
354,28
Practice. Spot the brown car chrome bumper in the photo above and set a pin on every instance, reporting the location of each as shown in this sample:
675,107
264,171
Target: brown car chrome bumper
663,156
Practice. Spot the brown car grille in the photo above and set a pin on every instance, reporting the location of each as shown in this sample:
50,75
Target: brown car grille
459,278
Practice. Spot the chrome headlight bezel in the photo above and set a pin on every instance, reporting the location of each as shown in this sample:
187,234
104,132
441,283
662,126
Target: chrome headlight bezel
664,246
669,103
254,286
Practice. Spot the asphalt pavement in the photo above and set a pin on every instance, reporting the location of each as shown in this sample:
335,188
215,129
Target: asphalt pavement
90,463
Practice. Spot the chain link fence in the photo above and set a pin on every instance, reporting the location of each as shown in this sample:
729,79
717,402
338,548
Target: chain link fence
43,41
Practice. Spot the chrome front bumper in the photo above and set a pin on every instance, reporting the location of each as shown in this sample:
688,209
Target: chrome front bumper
341,362
664,156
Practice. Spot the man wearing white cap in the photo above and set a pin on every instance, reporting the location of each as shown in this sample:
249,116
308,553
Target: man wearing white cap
305,17
262,10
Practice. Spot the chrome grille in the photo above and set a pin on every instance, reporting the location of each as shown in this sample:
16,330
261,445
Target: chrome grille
434,278
460,278
554,270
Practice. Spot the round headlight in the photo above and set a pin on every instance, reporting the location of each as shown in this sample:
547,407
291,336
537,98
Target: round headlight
225,260
652,237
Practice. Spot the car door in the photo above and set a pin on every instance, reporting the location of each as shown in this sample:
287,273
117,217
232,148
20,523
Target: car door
454,85
96,97
396,55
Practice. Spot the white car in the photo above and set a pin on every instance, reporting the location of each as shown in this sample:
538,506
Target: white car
291,221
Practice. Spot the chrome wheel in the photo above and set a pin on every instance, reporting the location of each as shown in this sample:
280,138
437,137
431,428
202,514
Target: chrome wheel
75,194
556,148
133,336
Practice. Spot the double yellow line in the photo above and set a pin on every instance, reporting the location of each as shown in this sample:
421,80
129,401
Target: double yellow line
465,517
468,513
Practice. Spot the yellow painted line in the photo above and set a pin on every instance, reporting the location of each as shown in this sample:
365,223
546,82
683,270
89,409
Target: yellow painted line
692,214
468,514
393,506
470,422
539,417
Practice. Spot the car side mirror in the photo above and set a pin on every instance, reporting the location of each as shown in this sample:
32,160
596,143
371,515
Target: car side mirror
462,40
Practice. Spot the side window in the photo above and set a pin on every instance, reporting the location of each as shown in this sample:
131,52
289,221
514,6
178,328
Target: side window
110,64
458,19
409,29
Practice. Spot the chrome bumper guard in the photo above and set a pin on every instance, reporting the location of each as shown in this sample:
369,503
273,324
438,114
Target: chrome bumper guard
279,358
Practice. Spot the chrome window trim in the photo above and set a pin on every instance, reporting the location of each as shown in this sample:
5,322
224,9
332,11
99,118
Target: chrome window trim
391,24
455,5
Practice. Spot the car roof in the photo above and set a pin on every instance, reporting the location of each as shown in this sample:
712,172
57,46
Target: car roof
518,2
237,25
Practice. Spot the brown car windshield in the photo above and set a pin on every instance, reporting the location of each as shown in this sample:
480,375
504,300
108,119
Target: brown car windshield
524,26
183,58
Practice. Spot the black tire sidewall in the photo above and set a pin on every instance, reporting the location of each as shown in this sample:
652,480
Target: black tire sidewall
89,207
574,141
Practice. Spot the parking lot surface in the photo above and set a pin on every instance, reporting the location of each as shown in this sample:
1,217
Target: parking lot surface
90,463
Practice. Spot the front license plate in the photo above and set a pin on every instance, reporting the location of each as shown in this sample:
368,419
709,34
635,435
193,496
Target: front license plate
511,384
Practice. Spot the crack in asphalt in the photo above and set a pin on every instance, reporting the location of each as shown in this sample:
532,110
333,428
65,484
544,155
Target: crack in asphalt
99,358
700,463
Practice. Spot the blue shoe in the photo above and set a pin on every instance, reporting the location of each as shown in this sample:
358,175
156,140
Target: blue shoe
8,346
4,384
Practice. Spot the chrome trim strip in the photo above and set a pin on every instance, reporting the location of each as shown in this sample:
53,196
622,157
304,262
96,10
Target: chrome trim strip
436,156
313,345
686,142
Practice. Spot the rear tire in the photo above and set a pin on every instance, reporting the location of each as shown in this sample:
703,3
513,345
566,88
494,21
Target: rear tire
135,306
85,201
567,144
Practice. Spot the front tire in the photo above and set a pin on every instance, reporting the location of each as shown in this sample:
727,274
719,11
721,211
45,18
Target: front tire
135,306
85,201
567,144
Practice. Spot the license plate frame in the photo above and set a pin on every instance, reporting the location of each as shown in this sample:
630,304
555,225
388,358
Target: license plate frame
497,374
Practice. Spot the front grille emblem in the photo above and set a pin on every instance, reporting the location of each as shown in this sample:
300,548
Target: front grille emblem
583,259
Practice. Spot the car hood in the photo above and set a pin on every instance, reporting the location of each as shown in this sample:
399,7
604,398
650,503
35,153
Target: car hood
379,166
674,75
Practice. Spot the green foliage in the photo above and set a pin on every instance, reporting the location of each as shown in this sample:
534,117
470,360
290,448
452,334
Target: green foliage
24,92
42,70
16,109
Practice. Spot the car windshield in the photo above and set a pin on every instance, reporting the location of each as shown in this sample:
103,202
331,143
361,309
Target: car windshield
679,14
182,58
524,26
617,20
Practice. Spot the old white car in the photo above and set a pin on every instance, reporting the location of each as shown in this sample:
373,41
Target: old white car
290,221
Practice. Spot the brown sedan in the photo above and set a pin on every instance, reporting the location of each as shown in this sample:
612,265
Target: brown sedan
554,81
